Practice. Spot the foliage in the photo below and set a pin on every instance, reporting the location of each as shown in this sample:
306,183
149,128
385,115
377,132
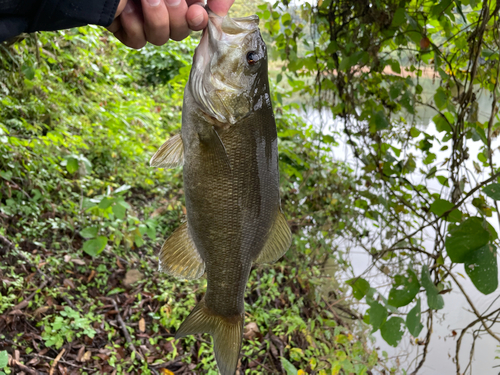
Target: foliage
4,360
424,200
66,327
80,209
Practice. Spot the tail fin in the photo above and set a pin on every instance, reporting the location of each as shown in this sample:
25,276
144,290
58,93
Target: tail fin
227,333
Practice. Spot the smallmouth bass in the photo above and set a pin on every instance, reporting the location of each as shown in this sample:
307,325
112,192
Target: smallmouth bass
228,149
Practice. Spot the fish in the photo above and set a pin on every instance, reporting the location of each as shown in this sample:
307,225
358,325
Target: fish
228,148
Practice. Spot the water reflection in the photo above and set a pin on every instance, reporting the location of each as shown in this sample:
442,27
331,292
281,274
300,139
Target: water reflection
456,314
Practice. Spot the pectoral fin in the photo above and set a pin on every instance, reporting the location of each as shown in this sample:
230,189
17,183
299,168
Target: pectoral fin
215,151
179,256
278,241
170,154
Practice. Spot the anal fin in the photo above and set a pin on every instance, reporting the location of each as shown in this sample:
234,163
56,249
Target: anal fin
179,256
170,154
278,241
227,334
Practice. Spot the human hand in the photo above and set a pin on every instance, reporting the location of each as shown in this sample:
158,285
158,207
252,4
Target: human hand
156,21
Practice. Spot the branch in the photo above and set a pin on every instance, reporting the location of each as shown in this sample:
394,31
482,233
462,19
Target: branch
459,341
480,317
12,362
426,345
127,336
485,182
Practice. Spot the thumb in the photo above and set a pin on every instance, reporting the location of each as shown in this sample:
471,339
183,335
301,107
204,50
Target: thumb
220,7
120,7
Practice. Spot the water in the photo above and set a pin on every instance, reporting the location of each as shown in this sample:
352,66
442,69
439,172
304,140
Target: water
456,315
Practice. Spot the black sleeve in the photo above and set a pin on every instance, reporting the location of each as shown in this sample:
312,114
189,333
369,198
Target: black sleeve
18,16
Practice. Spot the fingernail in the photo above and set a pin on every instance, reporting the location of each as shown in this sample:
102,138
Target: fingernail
154,3
173,3
196,20
129,8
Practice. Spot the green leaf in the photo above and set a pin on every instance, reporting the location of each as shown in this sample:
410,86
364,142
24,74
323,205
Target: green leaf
413,320
6,175
28,71
429,158
380,120
96,246
138,240
105,203
434,299
72,165
345,64
443,181
359,287
288,367
392,331
377,315
119,211
414,132
482,268
403,296
440,206
466,238
89,232
4,358
440,98
441,123
398,18
395,67
492,191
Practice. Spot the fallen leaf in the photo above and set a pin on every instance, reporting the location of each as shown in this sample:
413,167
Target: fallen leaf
142,325
78,261
21,305
81,352
69,283
86,356
159,211
132,276
41,310
91,276
251,330
165,371
67,258
119,264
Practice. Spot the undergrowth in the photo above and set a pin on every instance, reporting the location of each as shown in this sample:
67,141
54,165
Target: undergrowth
82,217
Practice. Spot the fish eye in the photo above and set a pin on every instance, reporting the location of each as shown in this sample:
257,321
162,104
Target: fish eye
252,57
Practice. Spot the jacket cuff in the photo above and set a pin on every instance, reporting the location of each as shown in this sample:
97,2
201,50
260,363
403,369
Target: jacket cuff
64,14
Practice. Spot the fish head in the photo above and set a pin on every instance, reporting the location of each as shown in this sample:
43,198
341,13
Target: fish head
229,70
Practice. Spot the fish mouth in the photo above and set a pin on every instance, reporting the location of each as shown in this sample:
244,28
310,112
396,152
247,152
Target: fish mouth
224,26
223,29
221,41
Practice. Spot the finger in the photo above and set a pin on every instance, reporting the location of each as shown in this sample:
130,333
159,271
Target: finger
115,25
120,7
156,21
197,17
220,7
132,32
177,10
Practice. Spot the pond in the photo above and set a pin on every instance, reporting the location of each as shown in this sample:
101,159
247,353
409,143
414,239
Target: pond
456,314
